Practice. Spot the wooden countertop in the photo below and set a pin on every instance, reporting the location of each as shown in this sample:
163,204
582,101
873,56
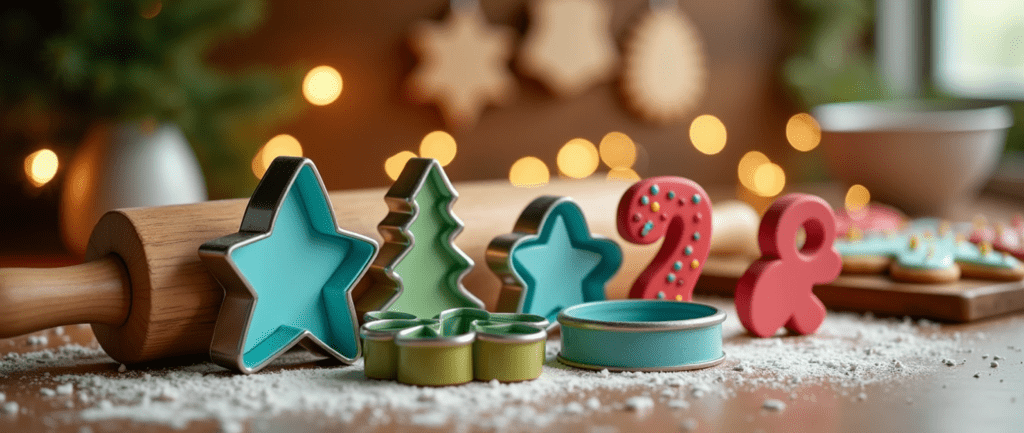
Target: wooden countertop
948,399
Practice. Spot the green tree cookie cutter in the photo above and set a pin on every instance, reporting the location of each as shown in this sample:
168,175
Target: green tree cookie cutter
287,274
419,233
460,345
551,261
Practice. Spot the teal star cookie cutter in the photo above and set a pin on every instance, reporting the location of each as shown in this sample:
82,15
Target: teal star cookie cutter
287,274
551,261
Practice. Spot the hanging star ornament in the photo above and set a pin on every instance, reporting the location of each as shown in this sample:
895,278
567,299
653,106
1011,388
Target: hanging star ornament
569,46
551,261
287,274
463,65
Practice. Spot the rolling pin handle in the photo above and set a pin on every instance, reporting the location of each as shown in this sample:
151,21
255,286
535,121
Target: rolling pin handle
33,299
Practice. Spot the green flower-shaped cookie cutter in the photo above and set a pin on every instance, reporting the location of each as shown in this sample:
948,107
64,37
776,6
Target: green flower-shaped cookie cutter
458,346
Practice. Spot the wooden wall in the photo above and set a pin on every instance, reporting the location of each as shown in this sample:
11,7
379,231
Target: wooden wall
745,43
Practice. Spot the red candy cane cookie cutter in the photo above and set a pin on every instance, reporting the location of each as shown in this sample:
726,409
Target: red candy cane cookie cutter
678,210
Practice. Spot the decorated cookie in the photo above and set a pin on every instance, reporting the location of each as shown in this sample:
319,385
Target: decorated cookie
569,46
1006,239
874,217
679,211
663,74
463,64
926,251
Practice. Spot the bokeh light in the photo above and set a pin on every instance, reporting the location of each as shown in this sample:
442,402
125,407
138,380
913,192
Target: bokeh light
152,9
322,85
578,158
41,167
707,134
625,174
769,180
439,145
617,150
529,171
280,145
394,165
748,164
857,198
803,132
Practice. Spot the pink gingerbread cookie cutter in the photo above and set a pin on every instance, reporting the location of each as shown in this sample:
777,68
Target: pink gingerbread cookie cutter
776,290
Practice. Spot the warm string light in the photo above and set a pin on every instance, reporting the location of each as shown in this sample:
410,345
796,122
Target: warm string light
748,163
322,85
578,158
803,132
280,145
857,199
41,166
759,175
439,145
708,134
617,150
769,180
394,165
529,171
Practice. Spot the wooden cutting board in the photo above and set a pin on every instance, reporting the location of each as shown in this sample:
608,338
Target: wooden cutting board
962,301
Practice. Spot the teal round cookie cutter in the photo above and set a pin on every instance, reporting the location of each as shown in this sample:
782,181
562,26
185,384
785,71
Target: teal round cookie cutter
641,335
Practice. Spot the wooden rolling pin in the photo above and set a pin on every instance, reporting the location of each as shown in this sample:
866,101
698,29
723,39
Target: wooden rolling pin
148,296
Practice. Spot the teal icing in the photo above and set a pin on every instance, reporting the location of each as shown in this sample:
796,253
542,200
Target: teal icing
933,251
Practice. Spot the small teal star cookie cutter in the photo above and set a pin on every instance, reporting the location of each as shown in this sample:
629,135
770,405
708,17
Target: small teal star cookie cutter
551,261
287,274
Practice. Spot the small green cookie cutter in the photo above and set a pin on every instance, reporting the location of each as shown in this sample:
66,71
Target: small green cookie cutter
419,269
458,346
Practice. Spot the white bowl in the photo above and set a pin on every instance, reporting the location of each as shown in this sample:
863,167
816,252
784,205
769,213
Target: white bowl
925,157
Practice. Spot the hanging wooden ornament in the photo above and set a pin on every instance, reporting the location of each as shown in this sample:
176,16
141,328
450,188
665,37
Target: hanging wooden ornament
663,67
463,64
569,46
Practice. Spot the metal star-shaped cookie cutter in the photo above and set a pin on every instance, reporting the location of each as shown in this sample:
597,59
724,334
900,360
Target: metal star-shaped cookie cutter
287,274
551,261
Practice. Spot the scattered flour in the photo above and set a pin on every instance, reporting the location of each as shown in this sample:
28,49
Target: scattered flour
10,408
773,405
848,351
640,403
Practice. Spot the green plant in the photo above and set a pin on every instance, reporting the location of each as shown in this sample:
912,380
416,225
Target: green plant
93,61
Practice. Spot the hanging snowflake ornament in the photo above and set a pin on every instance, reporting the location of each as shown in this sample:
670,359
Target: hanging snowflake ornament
463,65
569,46
663,68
